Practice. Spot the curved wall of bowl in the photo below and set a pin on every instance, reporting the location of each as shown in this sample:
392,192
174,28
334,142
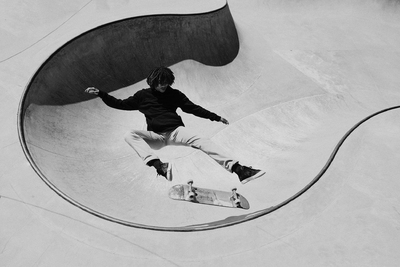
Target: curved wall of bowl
55,113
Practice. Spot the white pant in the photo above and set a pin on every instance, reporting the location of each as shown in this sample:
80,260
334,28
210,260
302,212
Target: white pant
143,142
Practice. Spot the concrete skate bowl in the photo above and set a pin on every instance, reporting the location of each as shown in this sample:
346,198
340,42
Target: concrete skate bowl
75,143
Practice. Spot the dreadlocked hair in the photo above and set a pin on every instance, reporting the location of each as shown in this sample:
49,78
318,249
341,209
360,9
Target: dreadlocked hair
161,75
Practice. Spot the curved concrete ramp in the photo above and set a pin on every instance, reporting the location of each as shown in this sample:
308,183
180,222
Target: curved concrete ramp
305,74
76,143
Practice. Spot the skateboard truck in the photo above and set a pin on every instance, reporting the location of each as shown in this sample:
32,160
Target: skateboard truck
191,194
235,197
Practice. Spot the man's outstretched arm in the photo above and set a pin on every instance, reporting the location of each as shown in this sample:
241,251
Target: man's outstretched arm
189,107
130,103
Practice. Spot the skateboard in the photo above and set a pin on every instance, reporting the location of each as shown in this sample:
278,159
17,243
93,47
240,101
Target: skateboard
188,192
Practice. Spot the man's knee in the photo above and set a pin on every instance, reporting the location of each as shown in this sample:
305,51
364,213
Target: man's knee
131,135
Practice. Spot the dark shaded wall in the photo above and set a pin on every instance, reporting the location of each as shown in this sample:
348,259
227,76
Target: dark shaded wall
122,53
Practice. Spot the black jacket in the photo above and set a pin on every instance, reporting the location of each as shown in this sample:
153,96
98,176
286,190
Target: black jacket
159,108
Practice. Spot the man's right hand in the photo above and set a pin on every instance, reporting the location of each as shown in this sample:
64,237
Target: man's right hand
92,90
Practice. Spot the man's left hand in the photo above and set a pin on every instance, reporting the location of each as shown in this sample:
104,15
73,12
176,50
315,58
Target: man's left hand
224,121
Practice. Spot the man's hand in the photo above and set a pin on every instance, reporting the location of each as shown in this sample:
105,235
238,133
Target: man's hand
92,90
224,121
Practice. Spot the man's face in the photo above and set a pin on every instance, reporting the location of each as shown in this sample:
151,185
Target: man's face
162,87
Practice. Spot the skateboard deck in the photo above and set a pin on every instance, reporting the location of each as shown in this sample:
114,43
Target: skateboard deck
208,196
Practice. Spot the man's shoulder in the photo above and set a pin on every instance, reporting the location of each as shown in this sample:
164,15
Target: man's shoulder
143,91
175,91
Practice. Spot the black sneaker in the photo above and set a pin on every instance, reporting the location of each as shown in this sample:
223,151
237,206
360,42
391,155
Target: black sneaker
247,174
165,170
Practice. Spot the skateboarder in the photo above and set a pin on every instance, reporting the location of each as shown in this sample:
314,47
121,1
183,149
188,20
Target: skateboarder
165,127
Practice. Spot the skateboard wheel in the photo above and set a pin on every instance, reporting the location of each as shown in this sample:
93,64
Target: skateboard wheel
238,203
190,196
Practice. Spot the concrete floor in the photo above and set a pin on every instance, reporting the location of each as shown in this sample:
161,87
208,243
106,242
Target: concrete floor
311,98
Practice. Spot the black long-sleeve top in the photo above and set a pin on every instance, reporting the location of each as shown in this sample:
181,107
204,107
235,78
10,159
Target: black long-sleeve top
159,108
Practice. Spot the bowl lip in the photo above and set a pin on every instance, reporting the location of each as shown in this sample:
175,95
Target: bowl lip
230,221
23,142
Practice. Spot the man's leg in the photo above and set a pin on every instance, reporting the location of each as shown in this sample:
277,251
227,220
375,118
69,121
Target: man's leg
183,136
143,142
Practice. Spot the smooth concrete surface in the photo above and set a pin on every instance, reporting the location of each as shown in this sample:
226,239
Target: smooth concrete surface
306,74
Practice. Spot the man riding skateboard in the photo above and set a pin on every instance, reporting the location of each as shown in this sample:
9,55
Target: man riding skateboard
165,127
